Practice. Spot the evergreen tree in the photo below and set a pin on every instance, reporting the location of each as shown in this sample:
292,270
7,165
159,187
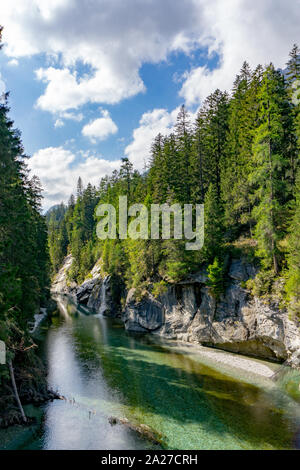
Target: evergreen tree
270,164
293,273
293,65
212,124
79,188
183,136
214,224
238,162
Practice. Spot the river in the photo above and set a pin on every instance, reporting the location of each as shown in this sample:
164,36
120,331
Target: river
103,371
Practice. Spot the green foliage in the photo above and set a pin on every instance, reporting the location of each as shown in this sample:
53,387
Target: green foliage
293,272
239,158
24,259
214,227
176,270
271,159
159,288
216,278
262,285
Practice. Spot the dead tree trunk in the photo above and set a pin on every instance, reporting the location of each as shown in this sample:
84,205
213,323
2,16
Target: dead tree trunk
12,376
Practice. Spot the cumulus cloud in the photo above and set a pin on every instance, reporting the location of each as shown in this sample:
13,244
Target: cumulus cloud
258,32
112,39
13,63
59,123
67,115
59,169
100,128
151,124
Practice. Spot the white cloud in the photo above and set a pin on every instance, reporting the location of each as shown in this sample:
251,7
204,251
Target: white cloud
258,32
100,128
151,124
13,63
72,116
59,123
114,39
67,115
111,39
59,169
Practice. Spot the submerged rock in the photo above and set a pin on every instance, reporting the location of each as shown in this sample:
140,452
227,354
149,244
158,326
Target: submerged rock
142,429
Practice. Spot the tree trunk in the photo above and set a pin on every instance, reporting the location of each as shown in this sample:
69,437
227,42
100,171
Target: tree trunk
12,375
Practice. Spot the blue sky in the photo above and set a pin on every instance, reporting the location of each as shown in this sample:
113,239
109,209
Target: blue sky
92,81
162,81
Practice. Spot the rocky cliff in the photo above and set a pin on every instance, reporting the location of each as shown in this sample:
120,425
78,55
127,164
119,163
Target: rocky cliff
95,292
187,311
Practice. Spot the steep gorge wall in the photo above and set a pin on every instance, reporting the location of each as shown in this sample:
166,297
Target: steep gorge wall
188,312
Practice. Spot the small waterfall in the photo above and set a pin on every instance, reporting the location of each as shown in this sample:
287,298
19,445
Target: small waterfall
103,303
62,304
38,318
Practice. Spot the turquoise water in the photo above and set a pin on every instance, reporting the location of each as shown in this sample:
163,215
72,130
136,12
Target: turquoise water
104,371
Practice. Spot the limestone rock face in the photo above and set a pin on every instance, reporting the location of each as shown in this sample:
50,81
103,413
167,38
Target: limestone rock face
146,315
188,312
94,292
100,298
61,285
237,322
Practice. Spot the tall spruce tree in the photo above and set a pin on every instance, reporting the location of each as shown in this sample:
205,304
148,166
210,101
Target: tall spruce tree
237,162
293,273
270,165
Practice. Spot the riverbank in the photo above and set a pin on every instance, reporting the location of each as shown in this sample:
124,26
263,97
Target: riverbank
187,311
117,383
32,386
29,370
227,359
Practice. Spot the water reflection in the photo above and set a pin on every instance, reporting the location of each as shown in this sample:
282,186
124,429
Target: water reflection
108,372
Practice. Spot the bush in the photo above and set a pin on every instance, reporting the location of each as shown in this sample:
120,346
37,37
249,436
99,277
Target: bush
262,284
159,288
216,280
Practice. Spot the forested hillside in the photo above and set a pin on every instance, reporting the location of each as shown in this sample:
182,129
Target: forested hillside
24,262
241,159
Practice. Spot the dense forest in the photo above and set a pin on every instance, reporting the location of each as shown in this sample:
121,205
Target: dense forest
241,159
24,264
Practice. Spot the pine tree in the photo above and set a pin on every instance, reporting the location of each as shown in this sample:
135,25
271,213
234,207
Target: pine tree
212,124
293,79
198,161
237,162
214,224
157,179
293,273
183,136
293,65
79,188
126,172
270,164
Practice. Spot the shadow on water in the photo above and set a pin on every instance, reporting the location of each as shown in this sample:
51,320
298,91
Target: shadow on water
191,404
153,380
